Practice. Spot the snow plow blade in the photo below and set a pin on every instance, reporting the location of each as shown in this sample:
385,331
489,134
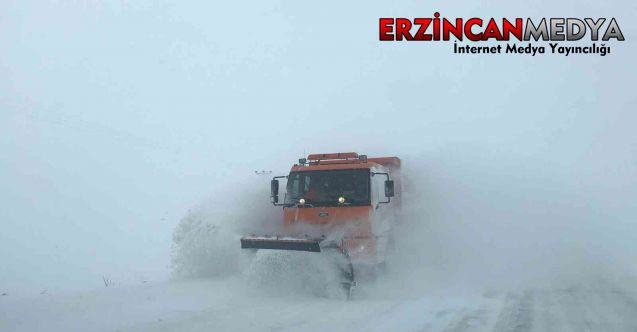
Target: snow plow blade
305,244
281,243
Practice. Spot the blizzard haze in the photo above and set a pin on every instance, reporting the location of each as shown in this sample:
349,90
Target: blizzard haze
118,118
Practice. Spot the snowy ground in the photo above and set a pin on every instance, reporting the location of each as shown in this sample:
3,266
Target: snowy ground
527,288
226,304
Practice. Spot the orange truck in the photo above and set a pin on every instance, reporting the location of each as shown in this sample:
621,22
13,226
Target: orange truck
337,201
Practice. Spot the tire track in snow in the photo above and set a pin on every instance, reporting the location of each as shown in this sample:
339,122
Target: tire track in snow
597,309
517,314
548,315
468,320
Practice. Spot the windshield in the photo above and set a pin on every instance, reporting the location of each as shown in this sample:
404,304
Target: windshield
323,188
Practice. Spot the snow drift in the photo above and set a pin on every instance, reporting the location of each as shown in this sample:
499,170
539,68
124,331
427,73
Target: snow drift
206,240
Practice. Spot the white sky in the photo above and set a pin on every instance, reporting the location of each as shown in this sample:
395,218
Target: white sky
117,116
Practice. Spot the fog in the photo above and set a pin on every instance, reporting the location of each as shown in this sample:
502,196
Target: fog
117,118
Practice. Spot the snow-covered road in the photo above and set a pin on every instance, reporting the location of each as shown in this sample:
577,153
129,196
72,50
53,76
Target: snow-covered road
228,305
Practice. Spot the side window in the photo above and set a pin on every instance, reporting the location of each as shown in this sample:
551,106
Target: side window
379,183
295,185
306,184
293,188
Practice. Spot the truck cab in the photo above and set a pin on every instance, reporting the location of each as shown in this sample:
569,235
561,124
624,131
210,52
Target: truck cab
342,197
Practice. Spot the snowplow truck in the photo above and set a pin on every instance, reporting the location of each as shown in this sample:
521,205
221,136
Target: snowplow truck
342,202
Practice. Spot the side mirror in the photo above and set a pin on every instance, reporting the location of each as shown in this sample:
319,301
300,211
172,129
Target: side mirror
389,188
274,191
